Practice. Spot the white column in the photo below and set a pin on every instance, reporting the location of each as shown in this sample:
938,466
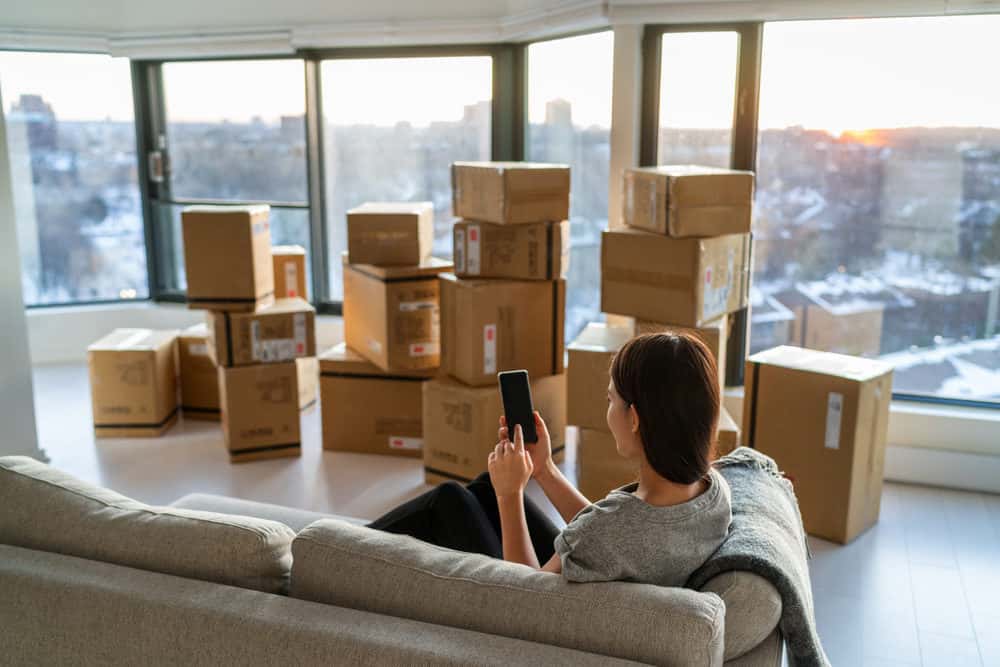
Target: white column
626,113
17,406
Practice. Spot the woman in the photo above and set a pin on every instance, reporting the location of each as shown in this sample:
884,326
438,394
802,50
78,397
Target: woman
663,408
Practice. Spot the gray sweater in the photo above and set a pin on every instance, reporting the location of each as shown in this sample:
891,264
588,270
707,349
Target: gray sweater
624,538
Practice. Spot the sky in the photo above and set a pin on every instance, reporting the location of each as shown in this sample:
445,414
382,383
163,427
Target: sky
833,75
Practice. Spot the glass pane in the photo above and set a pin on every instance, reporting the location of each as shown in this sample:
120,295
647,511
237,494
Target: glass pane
697,94
877,214
392,128
570,122
77,208
236,130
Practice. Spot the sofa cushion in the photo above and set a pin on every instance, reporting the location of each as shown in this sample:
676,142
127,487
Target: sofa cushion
293,517
360,568
44,509
753,607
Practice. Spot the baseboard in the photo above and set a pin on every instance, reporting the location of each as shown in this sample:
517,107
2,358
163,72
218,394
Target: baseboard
935,467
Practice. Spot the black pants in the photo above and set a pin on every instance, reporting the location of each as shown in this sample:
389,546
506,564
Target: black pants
466,518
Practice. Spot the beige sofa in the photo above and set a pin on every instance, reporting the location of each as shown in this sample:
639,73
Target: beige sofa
91,577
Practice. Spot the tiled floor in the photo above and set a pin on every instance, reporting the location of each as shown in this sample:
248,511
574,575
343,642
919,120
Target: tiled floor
921,588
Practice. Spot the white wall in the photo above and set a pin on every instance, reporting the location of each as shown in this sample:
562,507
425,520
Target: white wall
17,407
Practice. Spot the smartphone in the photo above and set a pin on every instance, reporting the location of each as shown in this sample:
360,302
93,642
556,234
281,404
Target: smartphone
516,394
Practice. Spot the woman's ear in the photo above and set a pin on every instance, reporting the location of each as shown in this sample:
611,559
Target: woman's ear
633,417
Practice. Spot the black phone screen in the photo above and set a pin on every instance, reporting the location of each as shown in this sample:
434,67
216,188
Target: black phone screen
516,394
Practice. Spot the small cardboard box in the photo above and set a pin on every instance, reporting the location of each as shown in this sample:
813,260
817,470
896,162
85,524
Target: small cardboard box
714,334
687,282
599,467
199,375
133,383
282,331
588,373
688,200
367,410
824,418
260,411
390,233
461,422
510,192
392,315
728,436
308,378
855,330
533,251
227,257
488,326
289,263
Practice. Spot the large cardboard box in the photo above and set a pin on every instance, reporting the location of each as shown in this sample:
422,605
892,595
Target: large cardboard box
260,411
227,257
824,418
714,334
307,374
589,371
688,200
199,375
488,326
727,438
368,410
688,282
133,383
533,251
282,331
599,467
510,192
392,315
390,233
855,329
461,422
289,263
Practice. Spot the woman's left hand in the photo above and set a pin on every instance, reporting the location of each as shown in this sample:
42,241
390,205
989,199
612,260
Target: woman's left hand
510,466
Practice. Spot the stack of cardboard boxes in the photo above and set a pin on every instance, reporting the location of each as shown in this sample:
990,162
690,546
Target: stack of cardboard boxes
263,348
371,384
501,309
681,265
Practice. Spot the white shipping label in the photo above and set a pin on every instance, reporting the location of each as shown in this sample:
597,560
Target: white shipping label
413,306
834,411
490,349
299,326
459,251
278,349
473,252
198,349
424,349
292,280
374,346
399,442
715,299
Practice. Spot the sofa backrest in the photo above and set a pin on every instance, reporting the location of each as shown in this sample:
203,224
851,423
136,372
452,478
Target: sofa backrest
352,566
44,509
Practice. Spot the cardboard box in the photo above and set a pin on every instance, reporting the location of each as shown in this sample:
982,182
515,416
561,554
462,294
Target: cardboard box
599,467
728,436
510,192
687,282
227,257
461,422
824,418
532,251
260,411
390,233
488,326
392,315
133,383
282,331
199,375
307,374
588,373
289,262
714,334
853,330
368,410
688,200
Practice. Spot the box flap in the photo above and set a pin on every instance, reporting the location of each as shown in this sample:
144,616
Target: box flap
826,363
133,340
429,268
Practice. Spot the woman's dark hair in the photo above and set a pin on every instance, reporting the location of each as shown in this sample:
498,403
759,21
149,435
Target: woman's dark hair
673,382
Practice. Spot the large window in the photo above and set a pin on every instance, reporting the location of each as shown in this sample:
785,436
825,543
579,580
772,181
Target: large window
877,215
391,129
569,110
235,132
71,144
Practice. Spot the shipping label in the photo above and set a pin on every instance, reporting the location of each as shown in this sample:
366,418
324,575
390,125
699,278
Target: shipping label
399,442
834,411
198,349
424,349
489,349
459,250
474,251
292,279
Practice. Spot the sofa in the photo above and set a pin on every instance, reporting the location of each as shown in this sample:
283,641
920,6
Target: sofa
91,577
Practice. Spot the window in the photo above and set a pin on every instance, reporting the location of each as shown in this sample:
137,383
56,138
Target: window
235,132
569,111
877,214
71,144
391,129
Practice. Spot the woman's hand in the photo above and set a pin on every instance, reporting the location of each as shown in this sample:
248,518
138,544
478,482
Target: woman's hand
539,452
510,466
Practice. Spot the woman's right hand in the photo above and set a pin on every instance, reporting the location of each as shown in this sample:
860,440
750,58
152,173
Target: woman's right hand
540,452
